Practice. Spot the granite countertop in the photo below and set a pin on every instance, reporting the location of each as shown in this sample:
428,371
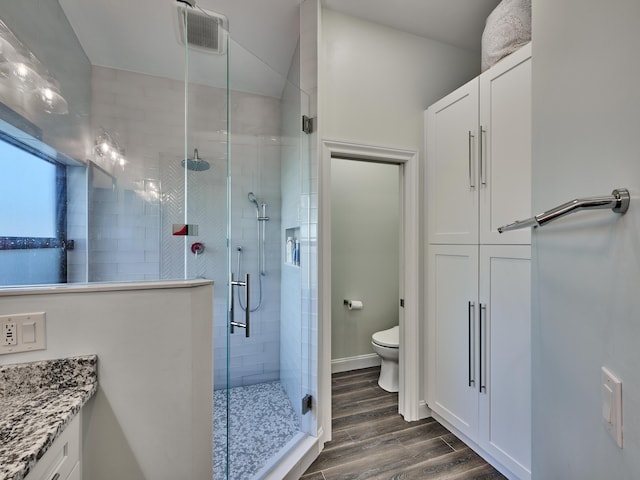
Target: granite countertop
37,401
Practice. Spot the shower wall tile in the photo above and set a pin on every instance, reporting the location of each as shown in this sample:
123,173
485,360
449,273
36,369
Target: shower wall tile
113,257
138,268
152,257
147,116
146,245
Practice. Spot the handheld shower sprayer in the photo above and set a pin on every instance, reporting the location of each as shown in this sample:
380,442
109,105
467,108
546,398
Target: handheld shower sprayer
252,198
262,219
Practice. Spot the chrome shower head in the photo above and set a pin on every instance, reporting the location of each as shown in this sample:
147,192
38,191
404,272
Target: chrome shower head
196,163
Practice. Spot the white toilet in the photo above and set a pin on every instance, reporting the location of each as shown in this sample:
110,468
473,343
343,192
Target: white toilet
386,344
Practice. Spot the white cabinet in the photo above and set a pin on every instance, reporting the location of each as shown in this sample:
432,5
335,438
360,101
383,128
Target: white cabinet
75,473
452,362
62,459
452,180
505,148
479,358
478,144
505,355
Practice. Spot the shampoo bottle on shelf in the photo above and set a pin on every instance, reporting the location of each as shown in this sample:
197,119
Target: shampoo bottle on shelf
296,253
288,252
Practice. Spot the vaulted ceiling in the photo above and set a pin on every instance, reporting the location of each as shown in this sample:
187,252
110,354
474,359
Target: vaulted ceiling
142,35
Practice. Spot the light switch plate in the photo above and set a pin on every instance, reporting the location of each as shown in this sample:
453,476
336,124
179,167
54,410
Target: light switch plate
612,405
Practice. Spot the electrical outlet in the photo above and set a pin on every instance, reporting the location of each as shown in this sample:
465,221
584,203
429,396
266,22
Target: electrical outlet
22,332
9,334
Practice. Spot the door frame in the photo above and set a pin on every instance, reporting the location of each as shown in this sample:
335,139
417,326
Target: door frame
409,393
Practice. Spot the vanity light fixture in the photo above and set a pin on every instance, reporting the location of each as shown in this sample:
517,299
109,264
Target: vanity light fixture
108,148
22,70
48,98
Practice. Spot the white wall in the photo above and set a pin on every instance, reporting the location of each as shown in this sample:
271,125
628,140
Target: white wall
377,81
365,246
152,417
586,269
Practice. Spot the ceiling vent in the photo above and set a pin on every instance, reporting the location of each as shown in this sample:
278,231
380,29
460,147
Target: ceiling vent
205,30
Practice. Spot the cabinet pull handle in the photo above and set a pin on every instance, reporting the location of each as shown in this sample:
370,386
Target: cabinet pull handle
483,170
471,182
56,476
471,306
482,351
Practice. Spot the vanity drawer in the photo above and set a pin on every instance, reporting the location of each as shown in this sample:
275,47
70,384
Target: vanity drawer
62,458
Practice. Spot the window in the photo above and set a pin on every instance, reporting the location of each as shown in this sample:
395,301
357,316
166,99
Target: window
32,216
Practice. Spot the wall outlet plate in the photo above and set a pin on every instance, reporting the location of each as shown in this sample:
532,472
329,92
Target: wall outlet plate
23,332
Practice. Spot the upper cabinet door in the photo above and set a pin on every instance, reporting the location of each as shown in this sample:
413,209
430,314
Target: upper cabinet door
452,167
505,148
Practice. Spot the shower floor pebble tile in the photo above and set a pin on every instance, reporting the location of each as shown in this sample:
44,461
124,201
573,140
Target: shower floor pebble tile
261,422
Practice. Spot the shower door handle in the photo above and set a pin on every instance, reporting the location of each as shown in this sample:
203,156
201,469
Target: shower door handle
247,311
247,302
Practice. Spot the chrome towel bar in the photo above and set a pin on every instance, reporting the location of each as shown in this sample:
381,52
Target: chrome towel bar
618,201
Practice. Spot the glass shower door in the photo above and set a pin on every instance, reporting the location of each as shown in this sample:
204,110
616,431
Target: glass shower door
246,179
268,373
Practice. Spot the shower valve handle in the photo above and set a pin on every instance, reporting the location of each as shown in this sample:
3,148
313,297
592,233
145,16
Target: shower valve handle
197,248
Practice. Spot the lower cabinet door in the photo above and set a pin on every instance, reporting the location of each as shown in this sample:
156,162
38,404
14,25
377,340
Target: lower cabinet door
505,359
452,335
75,473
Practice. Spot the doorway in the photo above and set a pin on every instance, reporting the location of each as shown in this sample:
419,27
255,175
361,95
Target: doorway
365,258
406,162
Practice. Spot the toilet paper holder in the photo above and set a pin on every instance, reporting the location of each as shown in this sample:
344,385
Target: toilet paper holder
353,304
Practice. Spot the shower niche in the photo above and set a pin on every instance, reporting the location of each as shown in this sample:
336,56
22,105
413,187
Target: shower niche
292,246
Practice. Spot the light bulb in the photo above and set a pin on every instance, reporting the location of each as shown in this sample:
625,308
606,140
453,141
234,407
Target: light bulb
23,74
48,98
47,94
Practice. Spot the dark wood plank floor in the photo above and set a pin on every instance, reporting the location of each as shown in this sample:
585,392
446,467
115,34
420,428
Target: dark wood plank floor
370,439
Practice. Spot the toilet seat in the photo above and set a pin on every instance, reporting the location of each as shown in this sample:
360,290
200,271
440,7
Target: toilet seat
387,338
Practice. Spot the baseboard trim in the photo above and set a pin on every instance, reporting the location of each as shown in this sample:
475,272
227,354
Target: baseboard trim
423,410
355,363
479,450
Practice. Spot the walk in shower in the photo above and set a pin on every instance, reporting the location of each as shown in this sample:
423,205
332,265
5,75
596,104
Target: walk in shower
185,159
